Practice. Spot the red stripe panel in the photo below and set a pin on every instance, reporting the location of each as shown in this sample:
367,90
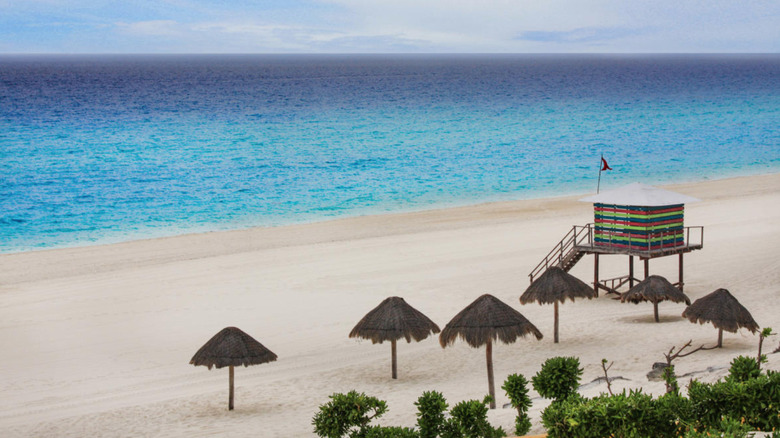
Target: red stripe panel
640,224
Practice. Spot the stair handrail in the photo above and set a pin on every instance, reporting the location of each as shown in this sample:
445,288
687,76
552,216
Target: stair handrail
557,254
579,235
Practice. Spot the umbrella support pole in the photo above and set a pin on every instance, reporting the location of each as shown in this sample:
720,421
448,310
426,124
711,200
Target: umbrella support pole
395,358
231,374
489,357
555,330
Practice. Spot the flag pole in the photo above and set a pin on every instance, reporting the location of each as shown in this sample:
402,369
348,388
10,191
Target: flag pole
598,186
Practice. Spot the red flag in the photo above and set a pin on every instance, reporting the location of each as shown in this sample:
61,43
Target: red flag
604,165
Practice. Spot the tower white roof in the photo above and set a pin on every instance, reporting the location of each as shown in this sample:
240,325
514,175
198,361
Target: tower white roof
640,195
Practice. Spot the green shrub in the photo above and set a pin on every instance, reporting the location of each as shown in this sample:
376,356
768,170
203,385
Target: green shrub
756,400
347,414
727,408
671,380
522,424
386,432
555,417
677,411
728,427
516,387
629,415
431,407
469,420
743,368
559,378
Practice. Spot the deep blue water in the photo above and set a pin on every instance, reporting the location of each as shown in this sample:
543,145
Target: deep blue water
100,149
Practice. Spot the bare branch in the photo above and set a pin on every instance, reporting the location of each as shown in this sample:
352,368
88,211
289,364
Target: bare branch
671,381
606,377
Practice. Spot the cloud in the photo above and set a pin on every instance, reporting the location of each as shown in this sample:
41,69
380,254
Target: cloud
581,35
165,28
351,26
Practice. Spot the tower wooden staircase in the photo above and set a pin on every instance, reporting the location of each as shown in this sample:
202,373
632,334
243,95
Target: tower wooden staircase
566,253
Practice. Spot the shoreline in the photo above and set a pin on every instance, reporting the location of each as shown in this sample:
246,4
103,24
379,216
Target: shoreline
215,243
174,232
98,338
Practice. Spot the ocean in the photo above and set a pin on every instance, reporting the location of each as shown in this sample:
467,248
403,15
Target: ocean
98,149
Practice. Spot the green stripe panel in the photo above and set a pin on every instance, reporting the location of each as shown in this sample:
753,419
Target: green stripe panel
637,216
617,227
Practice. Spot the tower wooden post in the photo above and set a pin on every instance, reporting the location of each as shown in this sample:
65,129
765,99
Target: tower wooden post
681,273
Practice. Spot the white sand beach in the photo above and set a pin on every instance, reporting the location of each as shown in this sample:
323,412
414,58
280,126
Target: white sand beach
96,341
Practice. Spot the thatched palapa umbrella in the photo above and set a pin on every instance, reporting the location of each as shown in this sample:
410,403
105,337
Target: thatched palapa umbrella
483,321
555,286
232,347
723,311
654,289
392,320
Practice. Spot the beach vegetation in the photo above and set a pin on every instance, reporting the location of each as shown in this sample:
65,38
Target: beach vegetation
727,427
386,432
765,333
469,420
347,415
670,379
743,369
431,419
631,414
559,378
756,401
746,400
516,387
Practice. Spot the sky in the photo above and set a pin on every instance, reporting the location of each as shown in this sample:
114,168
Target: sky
390,26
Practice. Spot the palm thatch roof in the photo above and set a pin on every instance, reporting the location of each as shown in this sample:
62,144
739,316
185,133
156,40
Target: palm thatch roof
487,319
556,285
722,310
394,319
232,347
654,289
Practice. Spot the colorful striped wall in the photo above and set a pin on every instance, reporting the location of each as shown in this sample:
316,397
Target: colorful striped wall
642,228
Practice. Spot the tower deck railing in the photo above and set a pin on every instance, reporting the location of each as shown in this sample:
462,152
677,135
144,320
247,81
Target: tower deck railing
585,239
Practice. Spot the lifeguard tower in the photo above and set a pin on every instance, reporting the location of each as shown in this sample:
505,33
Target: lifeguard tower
636,220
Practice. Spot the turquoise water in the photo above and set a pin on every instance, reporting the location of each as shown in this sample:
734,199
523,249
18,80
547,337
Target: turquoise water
98,149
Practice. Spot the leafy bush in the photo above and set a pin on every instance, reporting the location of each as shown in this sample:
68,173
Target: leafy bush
559,378
671,381
756,400
633,414
431,407
728,427
743,369
726,408
555,417
386,432
516,387
677,410
347,414
469,420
